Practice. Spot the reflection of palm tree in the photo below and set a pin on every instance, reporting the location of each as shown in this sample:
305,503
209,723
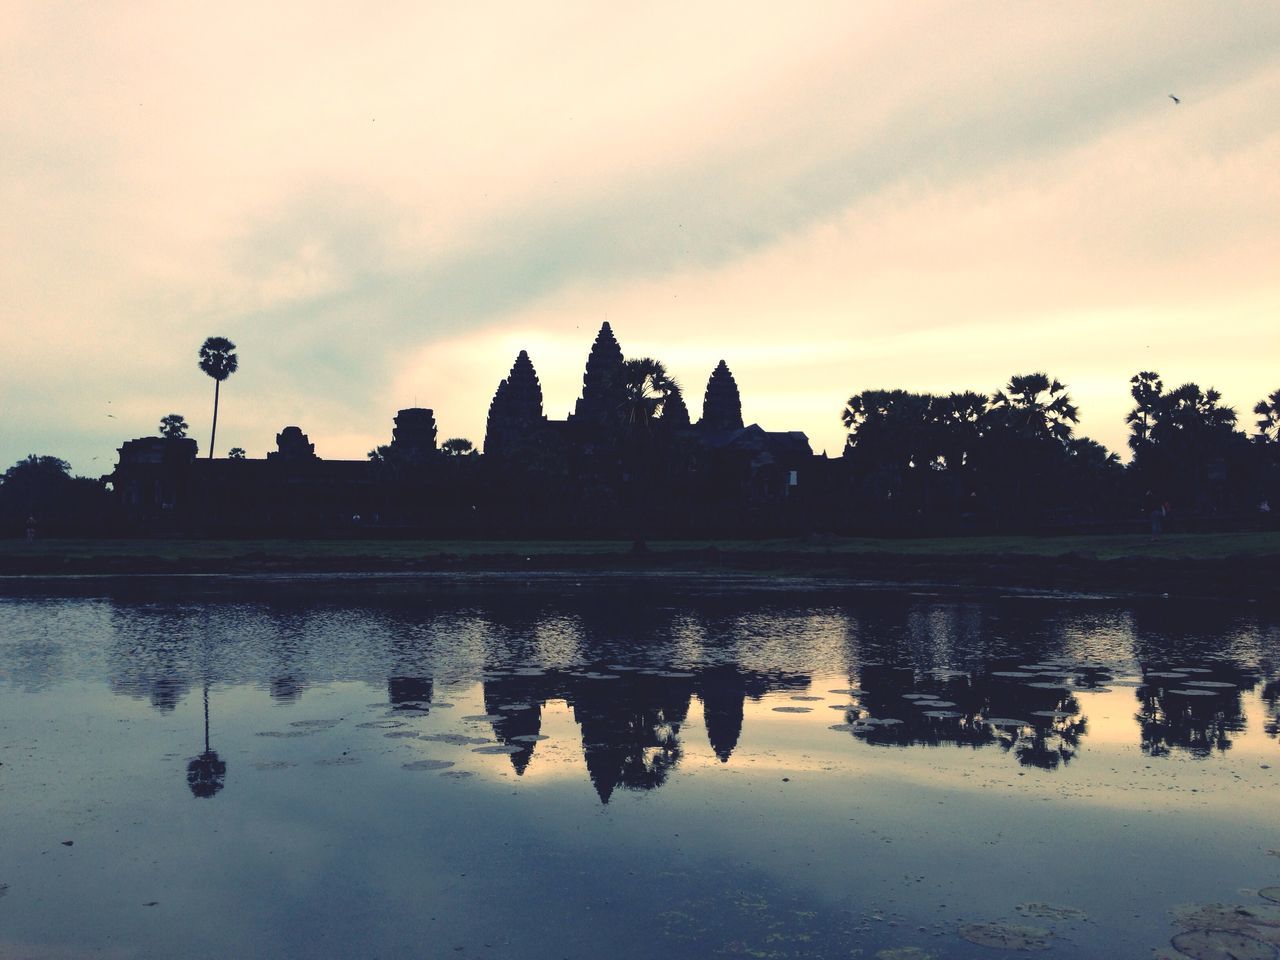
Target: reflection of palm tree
207,773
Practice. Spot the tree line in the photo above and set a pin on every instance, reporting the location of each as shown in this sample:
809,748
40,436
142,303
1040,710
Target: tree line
1015,456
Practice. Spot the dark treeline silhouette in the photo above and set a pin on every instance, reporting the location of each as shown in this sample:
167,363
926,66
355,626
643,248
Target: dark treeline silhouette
631,461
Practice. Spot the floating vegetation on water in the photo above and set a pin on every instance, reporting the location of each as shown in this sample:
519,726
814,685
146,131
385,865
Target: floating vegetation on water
1167,674
1050,911
1007,722
1006,936
315,724
935,703
484,717
342,761
801,697
1052,714
457,739
847,727
904,953
1013,674
380,724
458,774
1215,684
530,737
880,721
793,709
515,706
1047,685
1222,945
401,734
507,748
1260,922
1179,692
943,714
427,765
284,734
917,696
850,692
272,764
1270,893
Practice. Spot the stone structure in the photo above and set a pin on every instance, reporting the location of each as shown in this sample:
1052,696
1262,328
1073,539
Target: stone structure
292,444
601,382
413,440
516,410
721,405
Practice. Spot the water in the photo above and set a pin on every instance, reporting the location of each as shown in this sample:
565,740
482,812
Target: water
609,768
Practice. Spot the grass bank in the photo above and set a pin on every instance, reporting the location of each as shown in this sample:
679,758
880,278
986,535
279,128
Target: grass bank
1213,565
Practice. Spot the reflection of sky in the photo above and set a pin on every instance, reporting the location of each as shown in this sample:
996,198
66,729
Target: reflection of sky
321,832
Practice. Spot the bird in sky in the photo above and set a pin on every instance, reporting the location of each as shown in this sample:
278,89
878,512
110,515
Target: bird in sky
1174,99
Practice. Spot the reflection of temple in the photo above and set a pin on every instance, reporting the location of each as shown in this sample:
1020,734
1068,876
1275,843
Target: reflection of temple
630,720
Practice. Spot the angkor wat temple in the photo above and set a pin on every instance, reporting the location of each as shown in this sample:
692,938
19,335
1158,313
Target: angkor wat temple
629,461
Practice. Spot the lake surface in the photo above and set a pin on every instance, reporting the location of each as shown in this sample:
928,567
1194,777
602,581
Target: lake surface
552,768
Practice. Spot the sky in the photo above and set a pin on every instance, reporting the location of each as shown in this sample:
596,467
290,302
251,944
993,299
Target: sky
381,204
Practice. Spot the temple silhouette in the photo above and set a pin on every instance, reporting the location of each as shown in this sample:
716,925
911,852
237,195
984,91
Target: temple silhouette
620,464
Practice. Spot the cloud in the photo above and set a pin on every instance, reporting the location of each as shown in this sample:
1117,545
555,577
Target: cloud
367,202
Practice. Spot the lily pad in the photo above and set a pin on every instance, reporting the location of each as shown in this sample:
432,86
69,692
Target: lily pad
427,765
943,714
1222,945
1214,684
507,748
1007,722
793,709
530,737
1176,692
1006,936
1050,911
457,739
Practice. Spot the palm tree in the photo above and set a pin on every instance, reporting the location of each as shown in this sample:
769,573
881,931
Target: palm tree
1147,391
1268,412
173,426
218,360
648,393
1037,406
457,447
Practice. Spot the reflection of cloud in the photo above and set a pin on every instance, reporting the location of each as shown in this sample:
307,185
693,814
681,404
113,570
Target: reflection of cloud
339,194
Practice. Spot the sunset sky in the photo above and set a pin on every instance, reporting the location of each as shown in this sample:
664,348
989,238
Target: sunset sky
382,203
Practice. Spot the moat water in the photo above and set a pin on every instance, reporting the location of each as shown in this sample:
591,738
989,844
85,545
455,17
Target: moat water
588,768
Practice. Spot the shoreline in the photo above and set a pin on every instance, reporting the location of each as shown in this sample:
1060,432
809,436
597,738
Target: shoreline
1251,572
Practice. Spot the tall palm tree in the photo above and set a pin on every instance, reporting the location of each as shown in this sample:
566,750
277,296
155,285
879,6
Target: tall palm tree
218,360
